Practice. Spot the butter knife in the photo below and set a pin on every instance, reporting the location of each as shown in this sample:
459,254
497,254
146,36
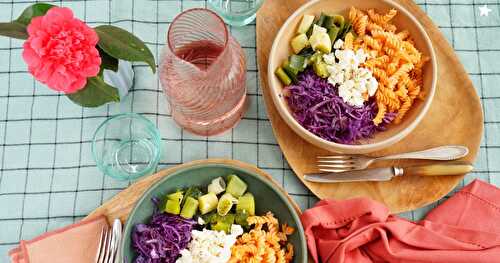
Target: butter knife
387,173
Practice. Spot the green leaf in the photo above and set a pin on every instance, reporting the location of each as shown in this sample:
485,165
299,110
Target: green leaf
95,93
31,11
121,44
107,61
13,29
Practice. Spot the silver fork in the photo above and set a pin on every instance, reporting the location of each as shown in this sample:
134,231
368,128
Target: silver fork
342,163
109,242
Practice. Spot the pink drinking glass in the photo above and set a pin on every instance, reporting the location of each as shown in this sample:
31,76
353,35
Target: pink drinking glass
202,72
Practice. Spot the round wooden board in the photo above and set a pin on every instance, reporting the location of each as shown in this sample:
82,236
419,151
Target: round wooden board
122,204
455,117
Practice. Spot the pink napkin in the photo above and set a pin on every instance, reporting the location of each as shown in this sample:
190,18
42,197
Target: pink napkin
465,228
76,243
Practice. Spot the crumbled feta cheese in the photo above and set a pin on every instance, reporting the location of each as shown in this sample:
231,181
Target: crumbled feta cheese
209,246
355,84
201,221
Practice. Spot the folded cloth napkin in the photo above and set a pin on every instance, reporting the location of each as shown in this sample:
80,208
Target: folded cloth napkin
465,228
76,243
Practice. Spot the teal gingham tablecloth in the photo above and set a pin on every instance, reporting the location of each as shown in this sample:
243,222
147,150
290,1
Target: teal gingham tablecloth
48,178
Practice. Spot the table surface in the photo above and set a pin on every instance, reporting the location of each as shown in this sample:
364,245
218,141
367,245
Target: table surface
48,178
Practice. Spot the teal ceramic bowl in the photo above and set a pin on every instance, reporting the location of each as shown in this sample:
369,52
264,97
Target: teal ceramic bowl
268,197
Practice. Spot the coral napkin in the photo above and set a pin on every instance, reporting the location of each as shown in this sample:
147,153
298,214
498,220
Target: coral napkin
76,243
465,228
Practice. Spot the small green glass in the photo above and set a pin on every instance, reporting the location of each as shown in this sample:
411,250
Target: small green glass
126,146
236,12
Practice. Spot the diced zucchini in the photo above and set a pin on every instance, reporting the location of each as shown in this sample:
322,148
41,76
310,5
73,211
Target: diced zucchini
321,42
320,69
207,203
299,42
173,206
246,204
317,56
333,33
291,72
298,62
318,29
190,207
235,186
282,76
305,24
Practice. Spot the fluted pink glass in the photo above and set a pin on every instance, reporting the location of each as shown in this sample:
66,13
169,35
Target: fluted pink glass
202,72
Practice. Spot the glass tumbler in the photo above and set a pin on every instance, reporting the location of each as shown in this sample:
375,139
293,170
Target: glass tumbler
236,12
126,146
202,72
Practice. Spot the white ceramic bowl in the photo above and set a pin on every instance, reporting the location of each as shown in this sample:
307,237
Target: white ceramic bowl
394,132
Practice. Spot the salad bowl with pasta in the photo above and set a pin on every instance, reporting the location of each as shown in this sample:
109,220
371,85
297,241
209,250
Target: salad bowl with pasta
352,76
215,213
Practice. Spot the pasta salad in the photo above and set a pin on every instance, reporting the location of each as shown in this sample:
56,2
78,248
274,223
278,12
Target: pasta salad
350,77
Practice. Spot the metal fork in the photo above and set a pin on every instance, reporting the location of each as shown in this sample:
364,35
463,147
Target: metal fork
109,242
342,163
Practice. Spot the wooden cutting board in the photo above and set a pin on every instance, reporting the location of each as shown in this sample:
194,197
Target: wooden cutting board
122,204
455,117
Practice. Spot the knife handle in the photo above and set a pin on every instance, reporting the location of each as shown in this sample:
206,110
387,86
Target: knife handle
438,169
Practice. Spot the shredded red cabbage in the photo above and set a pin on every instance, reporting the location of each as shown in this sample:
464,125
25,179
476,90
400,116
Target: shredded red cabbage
162,239
317,107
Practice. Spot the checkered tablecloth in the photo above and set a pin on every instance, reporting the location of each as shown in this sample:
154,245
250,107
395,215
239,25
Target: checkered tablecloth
48,178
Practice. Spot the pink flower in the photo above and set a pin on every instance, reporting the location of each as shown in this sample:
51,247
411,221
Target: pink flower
61,50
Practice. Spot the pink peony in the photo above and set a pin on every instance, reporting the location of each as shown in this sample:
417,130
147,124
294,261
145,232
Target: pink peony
61,50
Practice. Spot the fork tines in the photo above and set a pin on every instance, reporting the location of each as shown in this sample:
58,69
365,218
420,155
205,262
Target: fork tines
104,248
336,163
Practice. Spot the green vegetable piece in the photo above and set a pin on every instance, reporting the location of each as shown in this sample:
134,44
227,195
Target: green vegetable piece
299,42
305,24
328,22
207,203
236,186
282,76
320,69
193,192
246,204
333,33
346,28
189,208
321,42
317,56
217,186
224,223
306,52
298,62
338,21
210,218
225,204
173,207
177,196
291,72
318,29
241,218
321,20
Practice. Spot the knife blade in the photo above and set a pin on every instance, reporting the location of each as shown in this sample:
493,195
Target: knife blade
387,173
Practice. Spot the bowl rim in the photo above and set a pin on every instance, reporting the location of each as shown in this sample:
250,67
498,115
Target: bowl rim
268,181
350,148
